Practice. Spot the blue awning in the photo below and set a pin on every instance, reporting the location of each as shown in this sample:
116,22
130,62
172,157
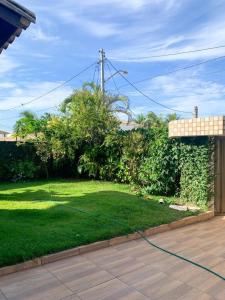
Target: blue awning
13,19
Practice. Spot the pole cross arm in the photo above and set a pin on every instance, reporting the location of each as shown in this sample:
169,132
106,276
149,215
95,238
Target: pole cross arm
117,72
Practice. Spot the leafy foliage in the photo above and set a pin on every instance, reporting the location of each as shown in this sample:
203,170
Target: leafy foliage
159,171
196,171
28,124
18,163
24,169
133,150
85,136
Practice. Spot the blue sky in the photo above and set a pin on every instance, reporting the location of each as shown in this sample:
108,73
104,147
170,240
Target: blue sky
69,33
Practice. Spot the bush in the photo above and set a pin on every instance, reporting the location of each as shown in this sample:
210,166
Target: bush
196,176
22,170
159,171
133,150
92,145
15,160
155,164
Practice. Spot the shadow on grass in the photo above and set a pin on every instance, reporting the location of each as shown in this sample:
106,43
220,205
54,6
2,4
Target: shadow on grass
108,205
4,186
30,230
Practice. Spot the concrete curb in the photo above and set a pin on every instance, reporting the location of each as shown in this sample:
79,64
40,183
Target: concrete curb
103,244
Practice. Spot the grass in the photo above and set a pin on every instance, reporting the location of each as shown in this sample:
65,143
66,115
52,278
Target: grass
40,218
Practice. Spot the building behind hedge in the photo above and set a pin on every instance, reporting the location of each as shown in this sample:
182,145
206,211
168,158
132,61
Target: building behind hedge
212,128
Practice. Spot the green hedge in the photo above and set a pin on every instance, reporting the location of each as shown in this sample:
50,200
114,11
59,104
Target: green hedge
196,170
145,158
18,162
179,167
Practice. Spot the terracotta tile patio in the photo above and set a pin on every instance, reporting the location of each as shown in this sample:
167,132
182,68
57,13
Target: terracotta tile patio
133,270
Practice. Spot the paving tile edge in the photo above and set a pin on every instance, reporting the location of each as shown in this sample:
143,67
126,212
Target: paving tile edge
103,244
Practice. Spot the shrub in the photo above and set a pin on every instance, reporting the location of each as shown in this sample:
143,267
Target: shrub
86,138
159,171
15,160
21,170
133,150
195,168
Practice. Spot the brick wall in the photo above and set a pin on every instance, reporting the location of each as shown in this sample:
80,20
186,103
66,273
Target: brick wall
208,126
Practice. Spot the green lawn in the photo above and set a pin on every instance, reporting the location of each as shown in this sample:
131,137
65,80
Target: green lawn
40,218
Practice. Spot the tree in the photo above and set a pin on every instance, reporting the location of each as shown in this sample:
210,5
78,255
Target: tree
118,104
88,120
114,103
28,124
140,119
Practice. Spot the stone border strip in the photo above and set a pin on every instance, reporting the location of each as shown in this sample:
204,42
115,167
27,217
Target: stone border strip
103,244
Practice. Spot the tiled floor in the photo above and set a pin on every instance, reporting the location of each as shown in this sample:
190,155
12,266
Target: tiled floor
133,271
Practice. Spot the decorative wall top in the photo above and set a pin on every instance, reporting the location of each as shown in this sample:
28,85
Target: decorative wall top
208,126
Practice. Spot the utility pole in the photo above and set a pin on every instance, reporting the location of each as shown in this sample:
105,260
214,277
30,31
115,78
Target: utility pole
195,112
102,69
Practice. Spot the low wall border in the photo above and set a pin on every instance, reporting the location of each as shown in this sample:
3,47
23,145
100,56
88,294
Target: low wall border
104,244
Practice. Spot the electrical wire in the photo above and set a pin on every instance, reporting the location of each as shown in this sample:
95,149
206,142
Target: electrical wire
52,90
95,69
52,107
172,54
176,70
146,96
111,75
98,75
118,90
15,117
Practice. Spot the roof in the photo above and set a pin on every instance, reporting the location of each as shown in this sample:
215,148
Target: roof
3,132
13,19
127,126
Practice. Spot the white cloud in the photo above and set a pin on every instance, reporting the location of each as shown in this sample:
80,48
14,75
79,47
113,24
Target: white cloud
98,29
7,64
125,4
7,85
165,40
38,34
183,92
93,27
98,18
26,91
142,109
136,28
23,92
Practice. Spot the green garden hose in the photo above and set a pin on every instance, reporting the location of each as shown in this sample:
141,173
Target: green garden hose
148,241
180,257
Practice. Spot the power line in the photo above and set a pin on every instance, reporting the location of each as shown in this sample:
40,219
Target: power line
176,53
17,116
52,90
116,86
98,74
95,69
177,70
146,96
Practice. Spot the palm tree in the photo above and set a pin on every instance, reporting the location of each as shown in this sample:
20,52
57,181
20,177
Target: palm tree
118,104
27,124
115,103
140,119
